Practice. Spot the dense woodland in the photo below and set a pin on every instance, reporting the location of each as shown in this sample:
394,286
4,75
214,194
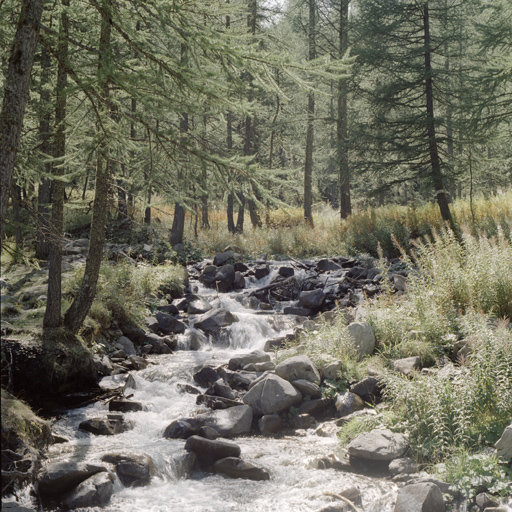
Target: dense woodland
121,107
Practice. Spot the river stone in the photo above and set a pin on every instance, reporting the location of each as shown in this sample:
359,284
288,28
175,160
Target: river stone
403,466
257,356
332,371
296,368
261,271
182,429
312,299
259,367
133,470
170,309
126,345
238,468
407,365
102,364
378,445
485,501
220,388
206,376
187,388
216,402
232,422
106,427
286,271
302,421
348,403
124,406
209,450
296,310
270,423
198,307
208,433
317,408
307,388
239,281
325,265
214,319
368,389
96,491
224,278
169,325
223,257
272,395
424,497
363,338
504,445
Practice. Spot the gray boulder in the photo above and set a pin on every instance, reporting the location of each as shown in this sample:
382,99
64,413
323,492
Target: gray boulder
198,307
272,395
238,468
317,408
206,376
213,320
378,445
220,388
326,265
169,325
363,338
133,470
257,356
96,491
270,423
307,388
348,403
296,368
223,257
259,367
403,466
332,370
112,425
312,299
425,497
504,445
407,365
210,450
61,477
127,345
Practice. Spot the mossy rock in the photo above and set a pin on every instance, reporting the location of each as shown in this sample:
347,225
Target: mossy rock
42,368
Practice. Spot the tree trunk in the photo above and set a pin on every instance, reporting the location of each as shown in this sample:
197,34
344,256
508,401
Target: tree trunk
241,214
75,315
16,200
16,91
342,121
437,177
308,165
178,225
44,192
52,315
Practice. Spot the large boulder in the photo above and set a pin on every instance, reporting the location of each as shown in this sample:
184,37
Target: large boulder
504,445
96,491
206,376
223,257
127,345
112,425
272,395
238,468
198,307
296,368
168,324
425,497
257,356
210,450
378,445
133,470
307,388
407,365
61,477
312,299
362,337
270,423
215,319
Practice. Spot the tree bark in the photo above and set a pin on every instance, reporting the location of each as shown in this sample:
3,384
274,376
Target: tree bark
435,163
76,314
16,92
342,121
308,165
52,315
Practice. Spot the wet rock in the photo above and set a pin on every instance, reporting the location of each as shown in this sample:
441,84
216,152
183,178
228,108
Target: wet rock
302,421
332,371
61,477
259,367
221,278
187,388
270,423
208,433
485,501
420,498
273,343
137,362
240,380
106,427
210,450
307,388
127,345
239,281
352,494
363,338
220,388
296,368
261,271
312,299
216,402
103,365
403,466
198,307
257,356
96,491
223,257
170,309
348,403
326,265
182,429
124,406
169,325
133,470
295,310
378,445
272,395
238,468
206,376
407,365
504,445
241,267
213,320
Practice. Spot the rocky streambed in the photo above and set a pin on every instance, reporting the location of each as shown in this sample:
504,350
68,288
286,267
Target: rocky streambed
199,414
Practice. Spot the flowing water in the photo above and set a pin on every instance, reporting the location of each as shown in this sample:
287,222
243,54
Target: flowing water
295,484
